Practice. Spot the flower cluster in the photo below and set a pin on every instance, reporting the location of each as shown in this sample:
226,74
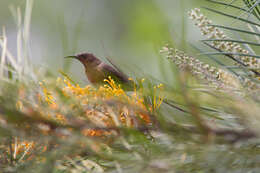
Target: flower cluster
206,28
218,77
103,110
106,106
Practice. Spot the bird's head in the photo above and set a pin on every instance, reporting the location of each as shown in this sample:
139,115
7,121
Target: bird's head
87,59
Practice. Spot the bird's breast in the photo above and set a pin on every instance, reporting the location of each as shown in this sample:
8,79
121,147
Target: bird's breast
95,76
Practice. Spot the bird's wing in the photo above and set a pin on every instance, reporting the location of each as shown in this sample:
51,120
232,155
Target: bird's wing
110,71
113,64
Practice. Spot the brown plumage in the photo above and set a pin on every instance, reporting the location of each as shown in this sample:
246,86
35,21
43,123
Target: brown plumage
96,70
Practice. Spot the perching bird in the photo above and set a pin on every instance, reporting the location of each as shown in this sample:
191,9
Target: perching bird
97,71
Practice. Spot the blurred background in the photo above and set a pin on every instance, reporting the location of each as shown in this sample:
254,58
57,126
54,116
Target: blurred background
131,32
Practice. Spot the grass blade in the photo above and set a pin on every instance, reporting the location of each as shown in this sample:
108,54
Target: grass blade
230,53
229,5
235,29
231,40
3,56
253,7
231,16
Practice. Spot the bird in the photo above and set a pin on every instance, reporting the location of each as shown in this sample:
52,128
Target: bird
97,71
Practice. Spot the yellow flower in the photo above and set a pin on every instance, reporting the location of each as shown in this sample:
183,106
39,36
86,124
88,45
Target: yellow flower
157,100
121,113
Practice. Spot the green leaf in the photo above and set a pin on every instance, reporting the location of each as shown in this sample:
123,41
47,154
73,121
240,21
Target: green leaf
235,41
253,6
232,16
235,29
228,5
230,53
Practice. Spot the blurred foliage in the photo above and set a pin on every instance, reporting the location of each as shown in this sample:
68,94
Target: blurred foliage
206,121
134,31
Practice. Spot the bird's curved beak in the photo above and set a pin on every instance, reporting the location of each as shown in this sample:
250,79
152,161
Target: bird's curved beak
72,56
